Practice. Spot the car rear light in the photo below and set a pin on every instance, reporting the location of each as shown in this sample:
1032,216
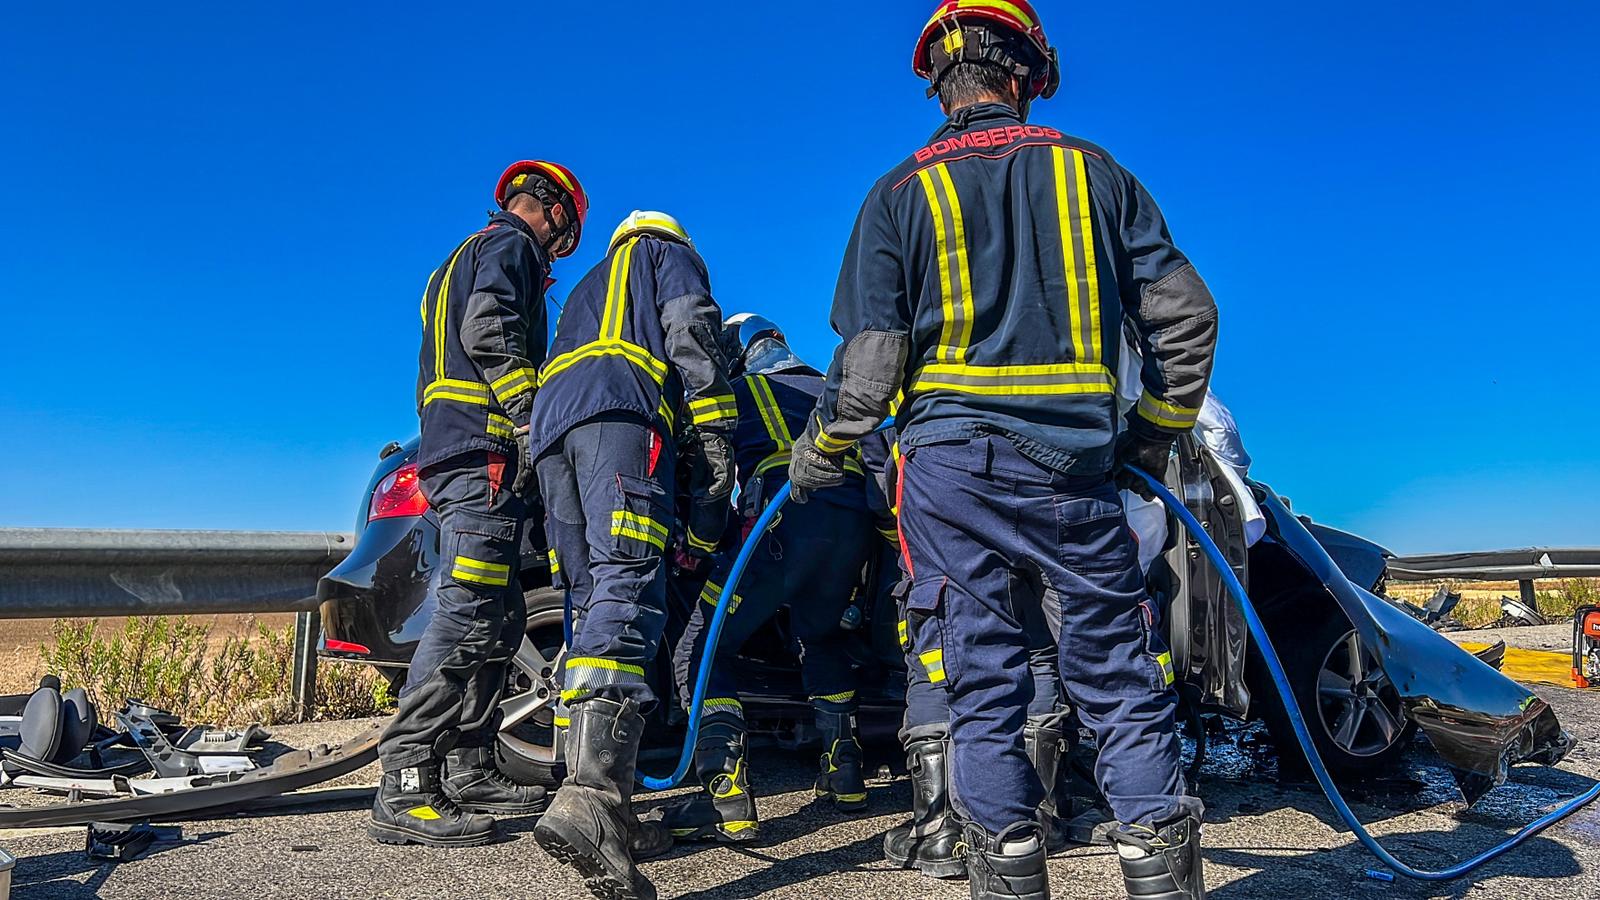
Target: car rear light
400,494
346,647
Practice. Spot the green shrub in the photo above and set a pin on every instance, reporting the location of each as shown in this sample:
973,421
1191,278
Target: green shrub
171,662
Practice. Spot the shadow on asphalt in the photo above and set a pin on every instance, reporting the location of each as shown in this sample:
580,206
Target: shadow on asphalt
53,874
1340,872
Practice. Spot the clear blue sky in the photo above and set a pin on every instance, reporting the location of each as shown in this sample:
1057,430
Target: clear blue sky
217,220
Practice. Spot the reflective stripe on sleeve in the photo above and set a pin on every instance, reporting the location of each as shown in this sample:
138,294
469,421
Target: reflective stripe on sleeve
713,409
1167,415
711,594
500,426
831,445
514,383
473,392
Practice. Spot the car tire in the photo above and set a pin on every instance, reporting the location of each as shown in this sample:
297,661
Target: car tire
1354,714
528,749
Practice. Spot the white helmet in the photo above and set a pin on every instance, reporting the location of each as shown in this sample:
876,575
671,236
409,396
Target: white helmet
645,221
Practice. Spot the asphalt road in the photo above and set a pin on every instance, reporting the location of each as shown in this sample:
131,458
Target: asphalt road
1264,839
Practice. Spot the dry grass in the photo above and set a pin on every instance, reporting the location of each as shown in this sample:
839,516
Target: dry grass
174,663
1480,600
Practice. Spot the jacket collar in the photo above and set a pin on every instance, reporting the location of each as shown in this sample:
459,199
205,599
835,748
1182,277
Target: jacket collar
968,117
512,220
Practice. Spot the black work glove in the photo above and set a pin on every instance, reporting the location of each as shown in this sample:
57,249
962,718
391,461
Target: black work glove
812,470
715,472
1148,452
524,480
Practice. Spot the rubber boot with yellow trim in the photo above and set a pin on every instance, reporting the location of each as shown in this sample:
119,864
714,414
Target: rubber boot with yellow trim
723,809
589,825
931,843
841,780
411,808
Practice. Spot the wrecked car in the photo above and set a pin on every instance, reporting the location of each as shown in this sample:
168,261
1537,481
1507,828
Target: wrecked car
1367,674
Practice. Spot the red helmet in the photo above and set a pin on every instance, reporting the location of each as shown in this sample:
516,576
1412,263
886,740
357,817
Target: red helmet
564,182
948,29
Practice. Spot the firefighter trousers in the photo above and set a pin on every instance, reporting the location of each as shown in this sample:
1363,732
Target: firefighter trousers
458,672
1002,549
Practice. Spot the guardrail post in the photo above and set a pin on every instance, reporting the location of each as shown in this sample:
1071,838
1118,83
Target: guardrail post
1529,598
304,683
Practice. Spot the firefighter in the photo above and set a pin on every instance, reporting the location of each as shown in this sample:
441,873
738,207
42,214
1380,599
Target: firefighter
483,334
636,342
810,560
987,278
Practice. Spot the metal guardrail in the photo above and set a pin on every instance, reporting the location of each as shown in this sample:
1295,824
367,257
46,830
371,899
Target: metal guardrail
56,572
1500,565
1523,566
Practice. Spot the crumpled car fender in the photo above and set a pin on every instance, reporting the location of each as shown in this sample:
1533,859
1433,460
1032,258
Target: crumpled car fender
1480,721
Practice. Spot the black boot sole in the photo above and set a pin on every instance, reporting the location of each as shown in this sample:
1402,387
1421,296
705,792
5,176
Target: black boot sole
389,834
572,849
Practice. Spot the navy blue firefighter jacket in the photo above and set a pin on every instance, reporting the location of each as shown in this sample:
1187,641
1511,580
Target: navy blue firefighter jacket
985,287
483,337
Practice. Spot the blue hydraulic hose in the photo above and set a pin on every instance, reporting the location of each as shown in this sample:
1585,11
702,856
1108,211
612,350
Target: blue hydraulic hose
713,634
1280,680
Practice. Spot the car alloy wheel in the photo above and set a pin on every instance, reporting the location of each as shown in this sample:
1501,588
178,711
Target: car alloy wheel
1357,704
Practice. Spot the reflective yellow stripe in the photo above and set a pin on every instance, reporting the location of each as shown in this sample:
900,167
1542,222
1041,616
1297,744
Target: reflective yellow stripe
1090,273
711,595
950,247
441,302
890,533
933,661
473,392
905,634
713,409
1165,414
726,704
630,524
771,413
500,426
517,381
617,293
478,571
699,543
585,673
610,665
555,563
639,356
1009,8
841,697
1052,378
1165,661
831,445
1077,254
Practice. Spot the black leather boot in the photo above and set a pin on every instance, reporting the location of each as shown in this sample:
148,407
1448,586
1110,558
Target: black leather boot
930,844
1044,739
1006,866
476,785
841,779
724,809
1161,863
412,808
589,825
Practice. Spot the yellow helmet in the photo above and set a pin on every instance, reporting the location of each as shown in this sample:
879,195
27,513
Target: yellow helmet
645,221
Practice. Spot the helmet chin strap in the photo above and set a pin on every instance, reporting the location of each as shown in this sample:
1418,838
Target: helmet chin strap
559,237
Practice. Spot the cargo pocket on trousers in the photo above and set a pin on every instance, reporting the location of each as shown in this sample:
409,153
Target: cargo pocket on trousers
640,523
1093,537
925,621
1156,655
483,551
